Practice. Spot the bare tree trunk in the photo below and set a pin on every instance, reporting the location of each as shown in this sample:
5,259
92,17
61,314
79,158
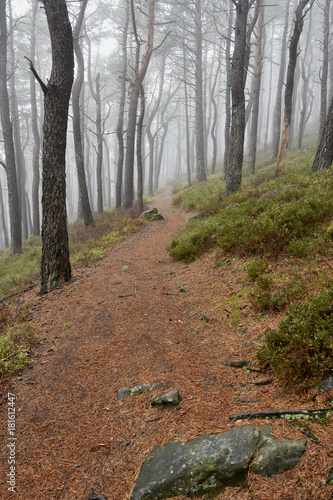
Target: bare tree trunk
324,156
324,68
140,73
187,124
268,114
139,151
7,131
3,220
35,129
121,112
234,173
214,114
227,97
15,117
305,74
99,135
256,94
84,209
55,253
278,102
150,135
288,96
199,113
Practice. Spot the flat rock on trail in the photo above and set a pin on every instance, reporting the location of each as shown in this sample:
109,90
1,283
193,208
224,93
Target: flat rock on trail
96,336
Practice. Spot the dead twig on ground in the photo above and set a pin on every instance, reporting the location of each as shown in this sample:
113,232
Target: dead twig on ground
275,413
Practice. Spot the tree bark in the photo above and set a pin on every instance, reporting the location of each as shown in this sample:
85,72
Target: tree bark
121,112
139,151
324,68
324,156
288,96
256,93
227,98
150,135
234,172
35,129
305,74
15,117
187,123
3,220
55,253
140,73
84,209
199,114
7,131
278,102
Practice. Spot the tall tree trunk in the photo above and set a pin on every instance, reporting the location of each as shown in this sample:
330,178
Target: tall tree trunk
150,135
140,72
187,123
277,113
7,131
288,96
256,94
99,136
3,220
214,114
139,151
121,112
199,114
227,98
324,156
234,173
305,74
268,114
15,117
324,68
84,209
55,253
35,129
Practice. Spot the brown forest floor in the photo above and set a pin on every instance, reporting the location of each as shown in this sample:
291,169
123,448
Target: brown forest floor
73,434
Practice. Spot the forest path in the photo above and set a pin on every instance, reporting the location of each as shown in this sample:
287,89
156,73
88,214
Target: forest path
74,435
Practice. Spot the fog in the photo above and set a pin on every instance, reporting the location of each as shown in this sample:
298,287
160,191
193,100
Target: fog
170,129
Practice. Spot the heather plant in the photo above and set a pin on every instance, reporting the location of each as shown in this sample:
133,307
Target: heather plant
300,350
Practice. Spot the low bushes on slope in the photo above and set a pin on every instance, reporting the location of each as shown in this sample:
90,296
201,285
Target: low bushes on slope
300,351
295,220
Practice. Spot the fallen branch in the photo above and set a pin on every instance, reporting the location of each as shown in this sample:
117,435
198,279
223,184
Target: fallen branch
20,291
275,413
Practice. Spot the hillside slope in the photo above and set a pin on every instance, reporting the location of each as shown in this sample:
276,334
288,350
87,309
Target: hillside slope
96,336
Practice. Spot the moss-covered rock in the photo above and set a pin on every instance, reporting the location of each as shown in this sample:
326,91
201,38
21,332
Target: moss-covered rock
126,392
209,463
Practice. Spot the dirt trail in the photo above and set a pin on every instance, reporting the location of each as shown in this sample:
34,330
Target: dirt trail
72,433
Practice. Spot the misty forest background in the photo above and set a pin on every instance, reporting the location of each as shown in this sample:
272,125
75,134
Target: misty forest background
156,94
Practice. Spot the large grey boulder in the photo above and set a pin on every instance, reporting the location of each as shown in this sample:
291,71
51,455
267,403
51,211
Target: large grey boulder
209,463
206,464
151,215
276,456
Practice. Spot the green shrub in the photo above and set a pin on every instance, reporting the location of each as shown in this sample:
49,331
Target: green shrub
256,268
269,294
14,349
300,351
292,221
